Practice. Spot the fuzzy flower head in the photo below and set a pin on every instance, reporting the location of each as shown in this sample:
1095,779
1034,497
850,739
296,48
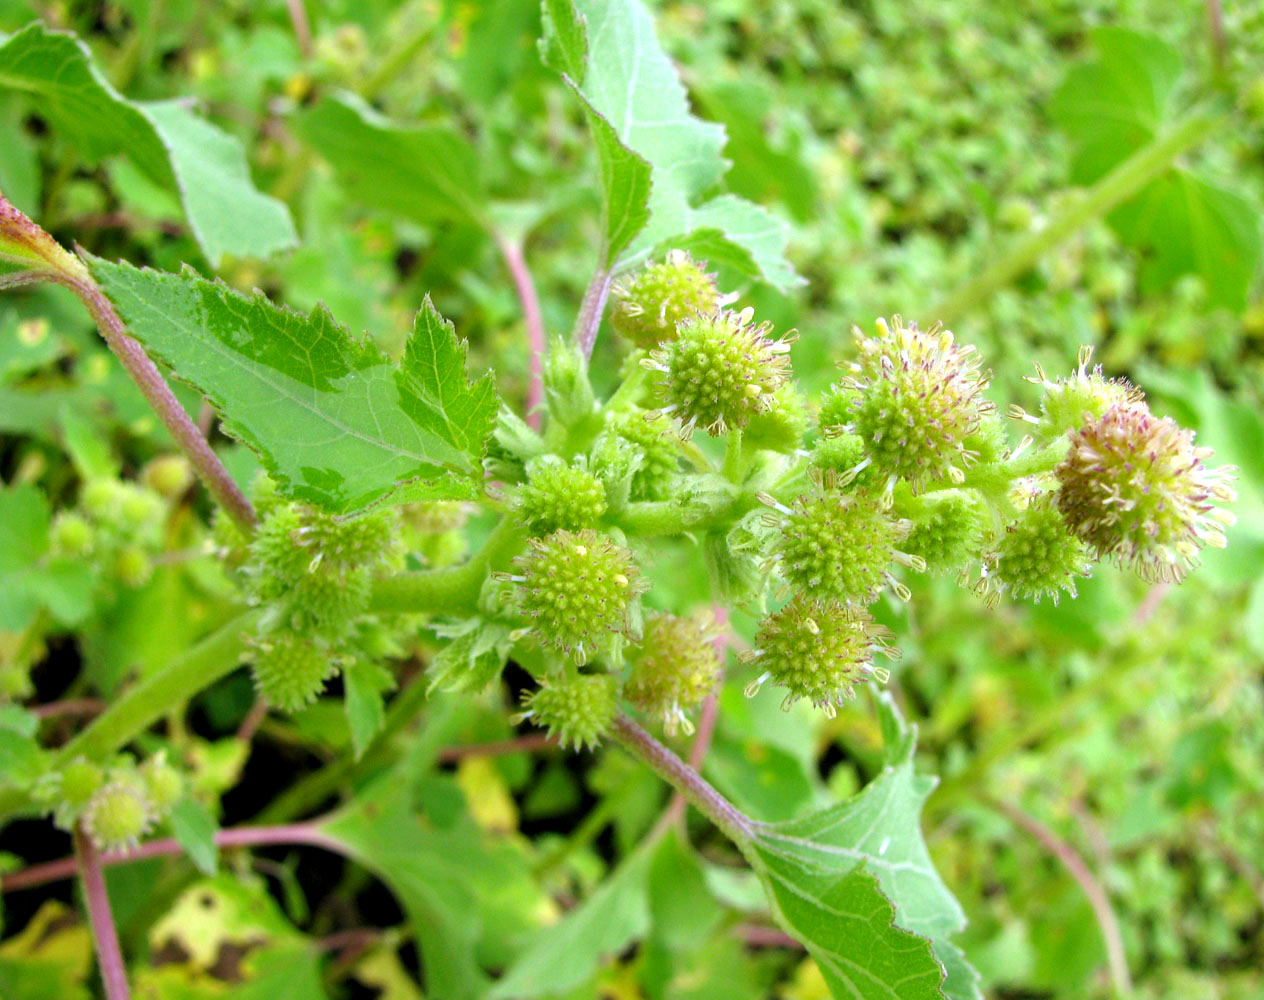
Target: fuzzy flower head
838,546
577,711
649,304
915,398
1070,402
1037,556
720,370
579,589
674,668
1134,487
948,529
819,650
290,671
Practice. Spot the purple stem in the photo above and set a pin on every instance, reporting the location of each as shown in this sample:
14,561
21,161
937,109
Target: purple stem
159,396
696,789
307,834
104,934
590,312
523,282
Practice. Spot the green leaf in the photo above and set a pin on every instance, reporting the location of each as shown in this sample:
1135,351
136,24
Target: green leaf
473,659
194,827
566,955
427,173
365,684
821,871
1183,225
608,53
24,519
173,148
333,421
1112,106
227,214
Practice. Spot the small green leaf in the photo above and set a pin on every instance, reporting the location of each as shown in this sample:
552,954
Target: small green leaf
334,422
427,173
365,684
565,955
194,827
473,659
173,148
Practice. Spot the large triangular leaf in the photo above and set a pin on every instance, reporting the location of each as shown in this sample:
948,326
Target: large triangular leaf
823,867
333,420
608,52
175,149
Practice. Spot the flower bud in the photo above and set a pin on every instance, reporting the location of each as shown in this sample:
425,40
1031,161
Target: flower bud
947,531
658,447
781,426
117,815
577,711
167,475
1037,556
71,535
290,671
579,589
673,669
1133,487
558,495
720,370
649,305
164,785
1069,403
819,650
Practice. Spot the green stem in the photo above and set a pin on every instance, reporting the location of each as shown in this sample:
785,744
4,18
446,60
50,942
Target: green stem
449,591
995,479
397,60
211,659
733,456
1116,187
671,517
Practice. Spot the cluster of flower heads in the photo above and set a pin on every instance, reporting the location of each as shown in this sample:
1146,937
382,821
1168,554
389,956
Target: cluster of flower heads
910,468
115,804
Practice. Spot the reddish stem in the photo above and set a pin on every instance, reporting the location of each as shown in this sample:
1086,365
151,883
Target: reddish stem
159,396
302,27
306,834
523,744
104,934
71,706
766,937
590,311
523,282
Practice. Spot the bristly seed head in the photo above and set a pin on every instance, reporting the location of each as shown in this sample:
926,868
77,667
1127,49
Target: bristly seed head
1070,402
579,588
1037,556
721,370
819,650
916,397
648,305
1133,487
578,711
558,495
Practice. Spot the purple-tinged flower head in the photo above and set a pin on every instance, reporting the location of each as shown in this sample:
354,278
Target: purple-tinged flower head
1134,487
673,669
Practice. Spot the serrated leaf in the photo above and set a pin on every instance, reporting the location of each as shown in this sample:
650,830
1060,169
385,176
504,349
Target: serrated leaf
1182,225
332,419
877,833
173,148
608,52
427,173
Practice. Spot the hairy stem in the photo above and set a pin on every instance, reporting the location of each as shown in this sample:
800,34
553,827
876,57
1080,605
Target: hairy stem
736,825
104,935
590,312
159,396
523,282
1116,187
669,517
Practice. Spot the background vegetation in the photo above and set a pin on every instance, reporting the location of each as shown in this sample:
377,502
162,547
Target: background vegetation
1101,812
